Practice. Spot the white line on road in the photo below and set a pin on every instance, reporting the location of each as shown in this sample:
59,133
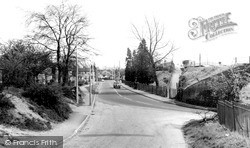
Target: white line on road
132,99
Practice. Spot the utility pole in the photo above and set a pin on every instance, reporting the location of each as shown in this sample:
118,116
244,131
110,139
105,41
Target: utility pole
90,85
200,60
119,71
77,96
114,73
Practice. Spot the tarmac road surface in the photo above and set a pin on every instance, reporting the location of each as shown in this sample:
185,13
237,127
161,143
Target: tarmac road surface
124,119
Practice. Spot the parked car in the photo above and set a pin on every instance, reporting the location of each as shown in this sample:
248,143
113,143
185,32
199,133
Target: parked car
117,84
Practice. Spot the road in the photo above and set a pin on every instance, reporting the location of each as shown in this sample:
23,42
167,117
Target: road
124,119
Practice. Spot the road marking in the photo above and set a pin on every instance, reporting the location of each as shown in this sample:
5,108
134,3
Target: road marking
121,95
134,100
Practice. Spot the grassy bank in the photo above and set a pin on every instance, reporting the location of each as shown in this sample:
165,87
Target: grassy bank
212,135
34,108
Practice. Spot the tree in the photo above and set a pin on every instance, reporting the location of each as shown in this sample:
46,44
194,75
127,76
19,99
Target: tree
48,31
36,62
128,69
142,65
133,68
227,85
22,62
60,29
74,36
155,36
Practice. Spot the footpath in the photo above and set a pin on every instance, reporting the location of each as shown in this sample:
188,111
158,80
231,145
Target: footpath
77,120
166,100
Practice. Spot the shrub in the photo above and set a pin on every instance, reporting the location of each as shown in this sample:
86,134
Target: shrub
63,110
227,85
5,103
34,124
43,95
81,82
5,106
69,92
49,97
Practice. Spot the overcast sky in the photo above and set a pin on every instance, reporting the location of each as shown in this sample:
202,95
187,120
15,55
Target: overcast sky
111,24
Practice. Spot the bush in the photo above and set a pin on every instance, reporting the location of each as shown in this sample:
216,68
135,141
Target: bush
34,124
43,95
69,92
49,97
5,103
81,82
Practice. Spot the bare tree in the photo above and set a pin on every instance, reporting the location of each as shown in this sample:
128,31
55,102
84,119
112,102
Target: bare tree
48,30
61,30
75,37
156,43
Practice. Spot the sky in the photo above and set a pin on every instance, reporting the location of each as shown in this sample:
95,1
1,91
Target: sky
110,27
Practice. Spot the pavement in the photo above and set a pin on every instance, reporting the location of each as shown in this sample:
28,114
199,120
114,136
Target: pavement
167,100
80,115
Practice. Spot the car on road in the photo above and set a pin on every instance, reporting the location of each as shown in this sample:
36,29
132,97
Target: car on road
117,84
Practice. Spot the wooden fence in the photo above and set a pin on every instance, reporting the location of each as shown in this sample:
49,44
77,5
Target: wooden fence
234,116
160,90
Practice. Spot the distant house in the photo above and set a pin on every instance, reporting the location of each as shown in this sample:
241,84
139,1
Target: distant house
188,63
83,74
165,66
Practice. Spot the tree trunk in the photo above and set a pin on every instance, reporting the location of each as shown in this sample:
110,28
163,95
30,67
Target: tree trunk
66,73
65,76
154,71
53,71
59,64
154,75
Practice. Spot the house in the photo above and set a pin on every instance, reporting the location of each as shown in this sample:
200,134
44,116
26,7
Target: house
165,66
188,63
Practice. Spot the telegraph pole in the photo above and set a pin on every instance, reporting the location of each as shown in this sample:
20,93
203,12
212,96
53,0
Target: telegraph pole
114,73
199,59
119,71
77,96
90,85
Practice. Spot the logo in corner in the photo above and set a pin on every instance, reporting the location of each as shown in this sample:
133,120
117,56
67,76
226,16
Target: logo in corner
210,28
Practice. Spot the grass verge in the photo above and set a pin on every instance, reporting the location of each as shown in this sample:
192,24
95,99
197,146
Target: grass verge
211,134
